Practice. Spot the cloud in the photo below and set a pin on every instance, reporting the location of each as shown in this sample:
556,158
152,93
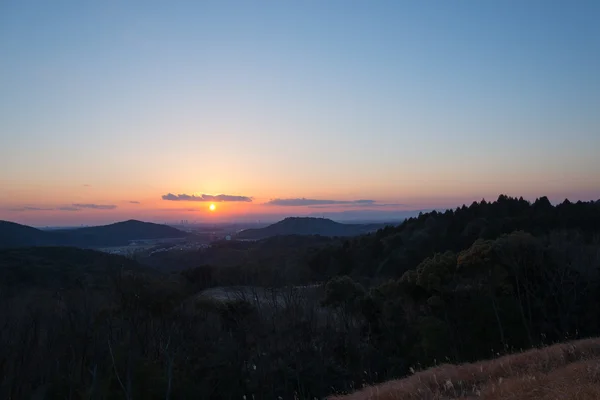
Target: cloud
72,207
315,202
205,197
21,209
369,205
96,206
86,185
134,202
68,208
180,209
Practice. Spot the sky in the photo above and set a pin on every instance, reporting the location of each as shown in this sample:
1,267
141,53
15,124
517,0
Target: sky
111,110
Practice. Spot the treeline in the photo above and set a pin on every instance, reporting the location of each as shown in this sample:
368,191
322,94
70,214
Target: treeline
457,286
394,250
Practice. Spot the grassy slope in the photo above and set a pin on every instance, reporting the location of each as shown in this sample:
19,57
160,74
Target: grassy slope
563,371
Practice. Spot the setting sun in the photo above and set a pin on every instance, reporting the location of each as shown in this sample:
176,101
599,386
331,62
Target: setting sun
212,207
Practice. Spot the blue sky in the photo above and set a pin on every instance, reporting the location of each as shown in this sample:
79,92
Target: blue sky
427,103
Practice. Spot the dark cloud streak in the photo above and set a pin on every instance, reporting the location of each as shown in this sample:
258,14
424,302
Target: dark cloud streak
96,206
206,198
355,205
31,209
72,207
299,202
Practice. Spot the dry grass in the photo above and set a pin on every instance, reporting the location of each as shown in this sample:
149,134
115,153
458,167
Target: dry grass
569,371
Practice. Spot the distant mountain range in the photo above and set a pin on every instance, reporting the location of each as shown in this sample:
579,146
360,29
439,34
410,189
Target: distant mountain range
309,226
370,216
118,234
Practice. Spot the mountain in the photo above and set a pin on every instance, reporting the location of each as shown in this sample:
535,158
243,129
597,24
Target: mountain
16,235
118,234
360,216
309,226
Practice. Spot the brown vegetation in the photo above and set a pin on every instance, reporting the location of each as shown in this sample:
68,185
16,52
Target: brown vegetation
562,371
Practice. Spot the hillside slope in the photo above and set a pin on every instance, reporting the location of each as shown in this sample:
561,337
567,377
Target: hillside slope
16,235
309,226
393,250
562,371
118,234
49,268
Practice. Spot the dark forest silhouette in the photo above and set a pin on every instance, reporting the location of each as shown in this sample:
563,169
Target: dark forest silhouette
456,286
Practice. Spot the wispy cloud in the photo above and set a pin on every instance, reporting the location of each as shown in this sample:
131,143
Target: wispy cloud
21,209
134,202
96,206
179,209
72,207
68,208
205,197
357,205
86,185
299,202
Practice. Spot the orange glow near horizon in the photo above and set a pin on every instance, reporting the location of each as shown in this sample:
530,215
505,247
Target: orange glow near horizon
67,205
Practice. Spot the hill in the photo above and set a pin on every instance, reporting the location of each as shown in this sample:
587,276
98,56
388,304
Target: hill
16,235
562,371
308,226
50,268
118,234
393,250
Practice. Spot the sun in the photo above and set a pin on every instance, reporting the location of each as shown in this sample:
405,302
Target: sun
212,207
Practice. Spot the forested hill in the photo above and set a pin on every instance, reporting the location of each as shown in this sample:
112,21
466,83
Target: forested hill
117,234
468,284
309,226
17,235
393,250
